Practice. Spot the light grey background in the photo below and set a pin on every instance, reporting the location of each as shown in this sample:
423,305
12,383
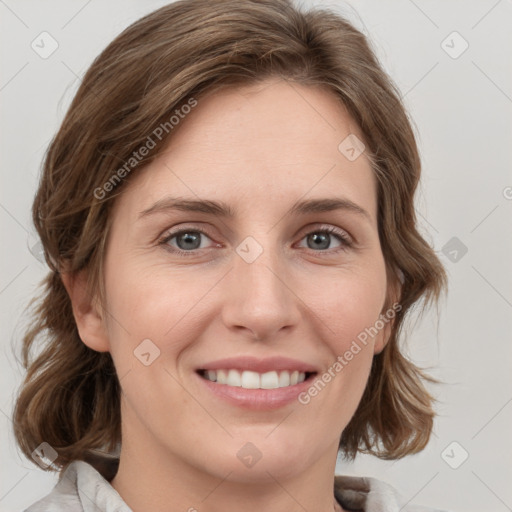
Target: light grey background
462,111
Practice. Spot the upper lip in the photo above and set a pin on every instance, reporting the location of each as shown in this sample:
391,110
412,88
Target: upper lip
254,364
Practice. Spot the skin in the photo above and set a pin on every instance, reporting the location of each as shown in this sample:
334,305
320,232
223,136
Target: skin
259,149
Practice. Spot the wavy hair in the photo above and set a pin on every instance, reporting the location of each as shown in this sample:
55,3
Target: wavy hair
70,397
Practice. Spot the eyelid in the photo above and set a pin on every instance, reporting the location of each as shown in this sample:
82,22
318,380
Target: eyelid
346,240
169,234
331,229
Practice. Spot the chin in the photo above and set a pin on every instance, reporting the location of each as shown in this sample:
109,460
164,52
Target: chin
258,458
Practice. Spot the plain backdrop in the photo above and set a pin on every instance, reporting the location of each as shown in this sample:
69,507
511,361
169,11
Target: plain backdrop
452,64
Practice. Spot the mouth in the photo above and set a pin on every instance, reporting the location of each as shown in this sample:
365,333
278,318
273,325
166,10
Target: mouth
254,383
254,380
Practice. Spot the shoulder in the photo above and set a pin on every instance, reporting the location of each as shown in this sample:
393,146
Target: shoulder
81,488
64,496
367,494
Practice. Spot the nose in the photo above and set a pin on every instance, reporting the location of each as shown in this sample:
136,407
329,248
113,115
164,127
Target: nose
260,300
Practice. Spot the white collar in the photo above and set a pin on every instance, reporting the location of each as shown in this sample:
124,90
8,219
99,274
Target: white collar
81,488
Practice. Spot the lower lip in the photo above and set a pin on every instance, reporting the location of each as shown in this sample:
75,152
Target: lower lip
257,399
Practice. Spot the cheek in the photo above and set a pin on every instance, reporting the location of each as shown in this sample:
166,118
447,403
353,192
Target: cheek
348,313
153,316
348,305
151,303
348,309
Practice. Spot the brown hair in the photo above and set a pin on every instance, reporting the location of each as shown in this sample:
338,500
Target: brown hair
71,395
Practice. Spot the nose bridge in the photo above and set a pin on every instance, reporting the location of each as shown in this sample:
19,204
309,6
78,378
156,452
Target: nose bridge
259,298
260,268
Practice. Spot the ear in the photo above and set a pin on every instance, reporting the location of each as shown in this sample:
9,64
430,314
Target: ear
381,340
88,313
389,312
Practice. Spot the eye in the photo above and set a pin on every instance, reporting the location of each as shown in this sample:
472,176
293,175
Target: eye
185,240
321,239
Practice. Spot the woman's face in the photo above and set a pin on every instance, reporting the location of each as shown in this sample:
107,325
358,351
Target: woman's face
224,256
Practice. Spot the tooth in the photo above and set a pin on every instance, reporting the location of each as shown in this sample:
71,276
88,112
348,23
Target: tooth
234,378
269,380
254,380
222,376
250,380
284,379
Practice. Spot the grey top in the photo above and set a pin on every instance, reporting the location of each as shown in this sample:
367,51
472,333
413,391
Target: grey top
82,488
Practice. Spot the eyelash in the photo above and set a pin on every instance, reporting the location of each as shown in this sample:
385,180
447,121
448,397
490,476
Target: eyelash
345,241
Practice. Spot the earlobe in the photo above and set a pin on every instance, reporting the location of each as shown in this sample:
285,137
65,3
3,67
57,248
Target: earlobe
388,315
384,335
87,311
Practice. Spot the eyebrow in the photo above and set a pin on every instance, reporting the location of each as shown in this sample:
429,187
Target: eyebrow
221,209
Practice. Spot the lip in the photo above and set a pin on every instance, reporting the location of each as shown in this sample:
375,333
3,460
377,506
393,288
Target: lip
256,399
254,364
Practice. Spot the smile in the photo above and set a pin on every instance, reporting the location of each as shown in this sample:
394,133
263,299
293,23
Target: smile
254,380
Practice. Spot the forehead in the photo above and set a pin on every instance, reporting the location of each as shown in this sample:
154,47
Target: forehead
274,140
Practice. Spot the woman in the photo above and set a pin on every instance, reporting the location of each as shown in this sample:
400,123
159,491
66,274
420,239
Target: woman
228,214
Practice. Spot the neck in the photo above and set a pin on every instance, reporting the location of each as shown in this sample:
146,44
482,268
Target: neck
149,478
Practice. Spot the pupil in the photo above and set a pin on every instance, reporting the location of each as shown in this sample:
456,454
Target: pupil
189,238
321,240
192,240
